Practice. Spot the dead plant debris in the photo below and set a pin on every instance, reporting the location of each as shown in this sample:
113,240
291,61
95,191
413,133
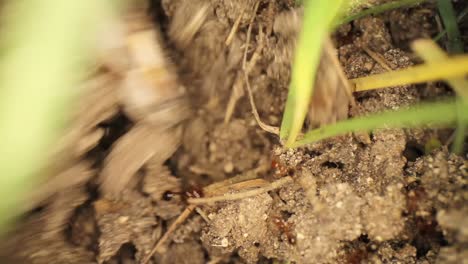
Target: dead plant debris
151,140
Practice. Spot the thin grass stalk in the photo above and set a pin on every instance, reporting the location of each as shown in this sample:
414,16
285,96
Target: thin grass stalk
447,14
375,10
318,18
439,113
445,69
431,53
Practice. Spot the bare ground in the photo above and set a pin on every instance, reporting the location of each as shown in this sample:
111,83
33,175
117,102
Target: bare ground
390,196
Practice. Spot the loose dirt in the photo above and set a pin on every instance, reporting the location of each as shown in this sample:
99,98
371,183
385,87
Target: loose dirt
380,197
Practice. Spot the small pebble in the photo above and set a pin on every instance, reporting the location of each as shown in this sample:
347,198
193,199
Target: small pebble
123,219
228,167
224,242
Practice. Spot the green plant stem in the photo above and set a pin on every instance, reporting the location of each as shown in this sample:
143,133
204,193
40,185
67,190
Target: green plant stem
460,133
454,67
379,9
439,113
460,18
447,14
318,17
440,35
431,53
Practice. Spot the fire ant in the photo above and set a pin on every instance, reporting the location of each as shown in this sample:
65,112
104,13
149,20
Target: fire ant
215,193
191,192
279,169
285,228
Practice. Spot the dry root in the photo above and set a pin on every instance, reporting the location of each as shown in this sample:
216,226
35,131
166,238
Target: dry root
233,183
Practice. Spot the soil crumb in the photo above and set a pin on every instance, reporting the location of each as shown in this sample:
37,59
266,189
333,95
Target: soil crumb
146,136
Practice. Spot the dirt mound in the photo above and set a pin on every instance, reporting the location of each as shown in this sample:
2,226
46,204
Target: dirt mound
172,116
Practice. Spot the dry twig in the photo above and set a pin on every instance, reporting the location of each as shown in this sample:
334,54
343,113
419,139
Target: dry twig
378,58
235,27
237,182
241,195
267,128
237,91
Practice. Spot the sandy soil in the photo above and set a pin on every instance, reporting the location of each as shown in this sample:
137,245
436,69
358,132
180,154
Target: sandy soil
390,196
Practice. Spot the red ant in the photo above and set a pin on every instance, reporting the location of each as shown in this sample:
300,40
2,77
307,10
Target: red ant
285,228
279,169
211,190
191,192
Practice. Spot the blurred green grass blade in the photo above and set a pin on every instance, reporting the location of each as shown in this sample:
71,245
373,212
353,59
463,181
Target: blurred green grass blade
447,14
455,66
318,17
431,53
460,18
439,113
44,47
462,125
378,9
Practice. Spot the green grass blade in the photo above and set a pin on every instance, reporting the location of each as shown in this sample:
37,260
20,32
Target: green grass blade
455,66
43,52
318,17
460,18
379,9
447,14
439,113
462,125
431,53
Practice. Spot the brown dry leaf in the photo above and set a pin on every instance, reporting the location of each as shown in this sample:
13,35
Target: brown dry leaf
187,20
153,98
133,222
73,177
52,251
61,209
150,91
136,16
332,93
89,141
98,102
130,153
153,95
29,244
